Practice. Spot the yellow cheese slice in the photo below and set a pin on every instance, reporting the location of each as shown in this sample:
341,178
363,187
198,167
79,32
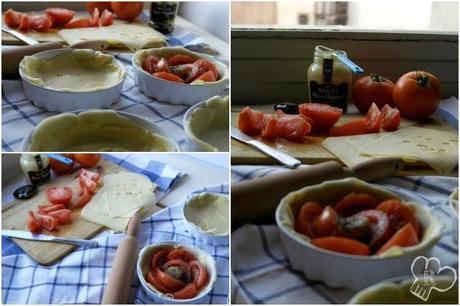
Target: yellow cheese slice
439,149
134,36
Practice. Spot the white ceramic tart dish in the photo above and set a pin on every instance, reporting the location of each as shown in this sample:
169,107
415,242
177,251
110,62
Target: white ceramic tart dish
98,131
398,291
144,266
453,204
206,216
64,80
206,125
177,93
339,270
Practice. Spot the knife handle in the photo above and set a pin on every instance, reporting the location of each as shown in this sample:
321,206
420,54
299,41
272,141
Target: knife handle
11,57
283,158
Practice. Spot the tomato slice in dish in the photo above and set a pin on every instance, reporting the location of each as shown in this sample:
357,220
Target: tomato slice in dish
373,119
168,77
391,118
398,214
342,245
251,122
354,127
12,18
33,223
188,292
180,59
150,63
354,203
324,116
404,237
60,16
180,253
305,217
59,195
207,77
379,225
326,224
63,216
152,279
199,273
169,282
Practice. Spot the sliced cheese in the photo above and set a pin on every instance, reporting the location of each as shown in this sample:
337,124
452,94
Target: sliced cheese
134,36
122,195
439,149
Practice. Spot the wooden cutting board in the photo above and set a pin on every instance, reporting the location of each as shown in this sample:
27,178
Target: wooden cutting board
310,152
14,216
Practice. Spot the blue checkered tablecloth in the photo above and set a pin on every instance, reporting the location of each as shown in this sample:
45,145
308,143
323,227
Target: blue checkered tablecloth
80,277
20,116
260,270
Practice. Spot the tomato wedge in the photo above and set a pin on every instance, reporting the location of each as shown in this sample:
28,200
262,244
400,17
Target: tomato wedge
251,122
200,274
151,278
47,208
60,16
270,128
354,203
40,23
48,222
95,18
380,227
168,77
326,224
63,216
188,292
12,18
84,198
94,176
399,214
391,118
373,119
354,127
324,116
207,77
293,128
169,282
179,253
24,24
404,237
150,63
33,223
342,245
87,183
106,18
180,59
305,217
79,23
59,195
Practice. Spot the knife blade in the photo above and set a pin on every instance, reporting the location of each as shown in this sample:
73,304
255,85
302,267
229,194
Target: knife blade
42,237
20,36
282,157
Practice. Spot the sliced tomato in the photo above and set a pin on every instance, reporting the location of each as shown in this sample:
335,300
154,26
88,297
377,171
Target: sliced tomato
63,216
207,77
251,122
95,18
305,217
293,128
342,245
201,66
150,63
373,119
269,131
326,224
40,23
391,118
12,18
324,116
159,258
151,278
404,237
94,176
180,253
354,203
47,208
24,25
60,16
354,127
380,227
33,223
59,195
184,267
106,18
48,222
168,281
200,274
87,183
162,66
188,292
168,77
180,59
398,214
84,197
79,23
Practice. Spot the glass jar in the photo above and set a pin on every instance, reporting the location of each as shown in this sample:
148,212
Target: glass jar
36,168
162,16
329,80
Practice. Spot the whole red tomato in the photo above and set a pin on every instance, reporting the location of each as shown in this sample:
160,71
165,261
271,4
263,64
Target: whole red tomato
101,6
87,160
417,94
59,167
127,10
372,89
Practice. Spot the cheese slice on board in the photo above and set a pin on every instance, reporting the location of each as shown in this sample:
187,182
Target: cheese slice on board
133,36
439,149
121,196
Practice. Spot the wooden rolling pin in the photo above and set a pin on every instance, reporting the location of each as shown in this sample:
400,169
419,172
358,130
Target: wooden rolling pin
121,275
255,200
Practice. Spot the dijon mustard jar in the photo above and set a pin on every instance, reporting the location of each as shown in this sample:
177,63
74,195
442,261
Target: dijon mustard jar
330,77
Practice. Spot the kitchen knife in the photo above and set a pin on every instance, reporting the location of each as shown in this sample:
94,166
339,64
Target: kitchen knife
255,200
41,237
283,158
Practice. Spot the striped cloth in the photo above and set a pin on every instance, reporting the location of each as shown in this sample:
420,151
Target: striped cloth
20,116
260,270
